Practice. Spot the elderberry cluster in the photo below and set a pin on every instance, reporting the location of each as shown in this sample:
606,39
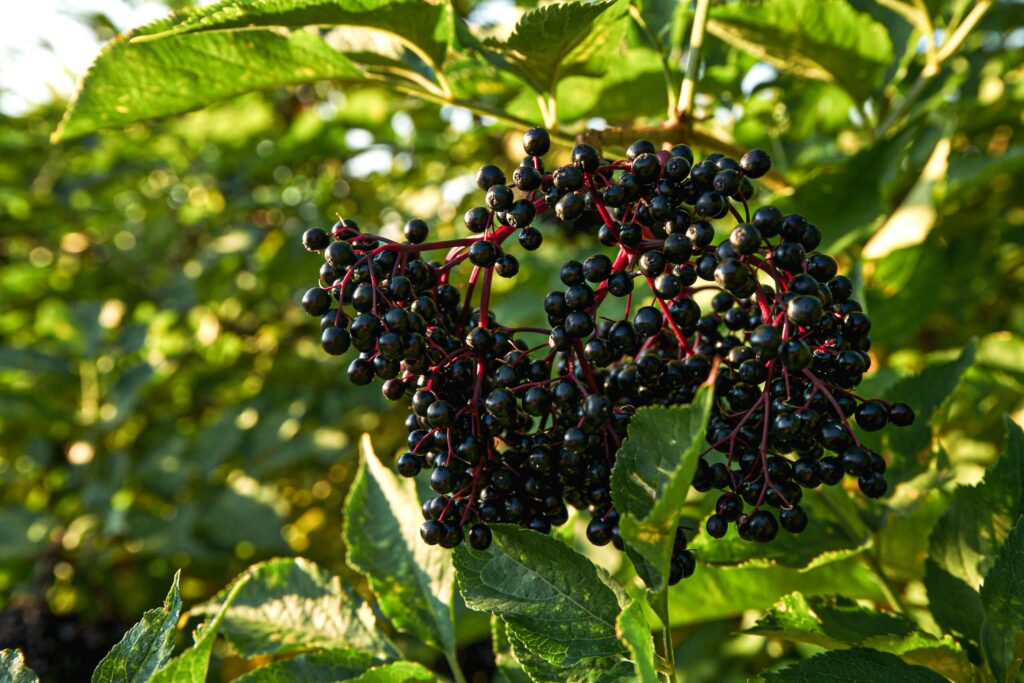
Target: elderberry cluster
515,424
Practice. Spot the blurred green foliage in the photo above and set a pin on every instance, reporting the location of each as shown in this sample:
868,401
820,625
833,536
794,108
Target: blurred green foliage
164,402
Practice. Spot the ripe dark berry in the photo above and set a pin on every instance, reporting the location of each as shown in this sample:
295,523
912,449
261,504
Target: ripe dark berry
586,157
536,142
716,526
513,431
483,253
804,310
316,301
793,520
759,526
335,340
871,416
315,239
872,485
530,239
480,537
489,176
901,415
416,231
755,163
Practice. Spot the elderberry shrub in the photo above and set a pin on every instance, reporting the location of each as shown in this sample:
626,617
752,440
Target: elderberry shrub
513,424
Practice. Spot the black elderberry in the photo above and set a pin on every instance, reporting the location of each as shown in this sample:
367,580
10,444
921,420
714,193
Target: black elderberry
536,142
316,301
315,239
530,239
489,176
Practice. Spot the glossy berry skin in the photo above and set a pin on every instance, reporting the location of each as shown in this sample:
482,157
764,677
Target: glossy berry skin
416,231
755,163
316,301
536,142
315,239
901,415
480,537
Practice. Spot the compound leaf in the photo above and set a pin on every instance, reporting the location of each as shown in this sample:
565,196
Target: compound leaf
859,665
425,27
413,581
1002,595
132,82
146,647
652,475
926,392
559,40
553,599
838,623
13,669
292,605
636,636
966,540
192,665
326,666
594,670
825,40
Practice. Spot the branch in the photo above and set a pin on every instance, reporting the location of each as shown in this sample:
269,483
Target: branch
686,95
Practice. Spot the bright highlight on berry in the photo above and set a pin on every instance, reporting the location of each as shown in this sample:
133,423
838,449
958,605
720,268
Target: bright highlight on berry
516,424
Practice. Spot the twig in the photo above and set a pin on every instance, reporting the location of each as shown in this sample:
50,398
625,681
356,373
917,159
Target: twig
686,95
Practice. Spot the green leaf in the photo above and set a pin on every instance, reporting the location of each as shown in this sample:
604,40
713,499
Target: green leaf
397,672
858,665
926,392
292,605
316,667
508,668
841,623
13,669
824,40
652,476
191,666
412,581
1002,594
594,670
552,598
135,82
966,540
822,543
146,647
718,592
636,636
425,27
559,40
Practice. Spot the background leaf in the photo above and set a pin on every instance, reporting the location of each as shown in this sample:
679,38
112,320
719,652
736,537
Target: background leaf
292,605
13,669
825,40
966,540
412,581
557,40
316,667
552,598
133,82
1002,595
192,665
652,475
425,26
146,647
858,665
636,636
840,623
